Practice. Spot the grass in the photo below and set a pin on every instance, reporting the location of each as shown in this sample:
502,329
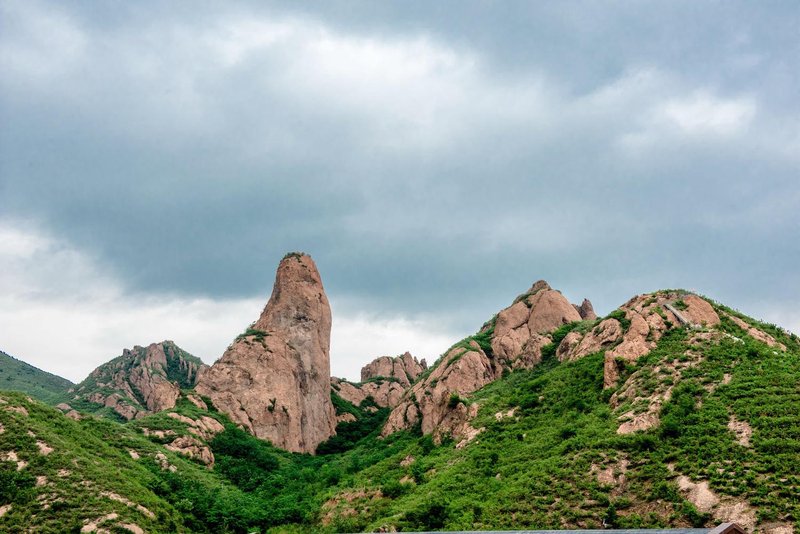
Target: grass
535,469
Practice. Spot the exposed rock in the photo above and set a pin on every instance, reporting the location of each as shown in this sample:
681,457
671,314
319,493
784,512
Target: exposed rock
755,333
274,380
549,310
163,462
197,401
724,510
5,509
408,460
17,409
586,310
204,427
193,448
742,430
44,448
143,380
516,337
134,454
698,494
11,456
385,393
346,418
127,502
649,317
93,525
403,369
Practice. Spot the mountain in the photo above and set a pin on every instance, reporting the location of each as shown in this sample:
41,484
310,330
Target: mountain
383,381
274,379
16,375
142,380
671,411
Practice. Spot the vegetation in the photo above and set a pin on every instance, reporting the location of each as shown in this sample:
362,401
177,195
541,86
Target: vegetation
16,375
535,468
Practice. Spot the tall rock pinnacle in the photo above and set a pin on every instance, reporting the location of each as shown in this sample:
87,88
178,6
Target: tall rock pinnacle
275,378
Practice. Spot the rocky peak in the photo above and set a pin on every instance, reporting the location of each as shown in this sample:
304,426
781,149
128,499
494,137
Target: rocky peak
513,339
274,379
142,380
403,369
586,310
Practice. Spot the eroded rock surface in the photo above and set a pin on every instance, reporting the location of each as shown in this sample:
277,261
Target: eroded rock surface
274,379
514,339
384,380
143,380
403,369
647,318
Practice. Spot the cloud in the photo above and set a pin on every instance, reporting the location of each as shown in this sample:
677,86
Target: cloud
62,312
434,162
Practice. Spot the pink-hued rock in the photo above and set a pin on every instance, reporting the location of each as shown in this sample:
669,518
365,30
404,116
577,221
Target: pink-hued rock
193,448
755,333
143,380
603,336
462,372
519,334
385,393
549,310
276,382
404,369
586,310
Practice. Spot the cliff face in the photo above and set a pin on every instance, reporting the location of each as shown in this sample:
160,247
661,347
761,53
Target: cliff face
141,381
513,340
275,378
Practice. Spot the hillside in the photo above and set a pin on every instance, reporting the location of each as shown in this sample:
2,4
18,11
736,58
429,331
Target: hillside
16,375
142,380
702,426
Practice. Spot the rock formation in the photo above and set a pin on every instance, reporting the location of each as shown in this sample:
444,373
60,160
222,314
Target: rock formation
384,380
645,318
514,339
141,381
403,369
274,379
586,310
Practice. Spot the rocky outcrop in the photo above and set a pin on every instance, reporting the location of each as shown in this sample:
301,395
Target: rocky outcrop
513,339
141,381
383,380
463,370
274,379
755,333
645,318
520,331
403,369
586,310
383,392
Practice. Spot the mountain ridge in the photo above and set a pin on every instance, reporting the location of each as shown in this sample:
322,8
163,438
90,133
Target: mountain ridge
672,410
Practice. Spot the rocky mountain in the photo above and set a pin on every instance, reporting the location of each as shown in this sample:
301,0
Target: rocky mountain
383,381
142,380
16,375
274,379
671,411
513,339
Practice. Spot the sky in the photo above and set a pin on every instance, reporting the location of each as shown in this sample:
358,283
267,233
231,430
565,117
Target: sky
157,160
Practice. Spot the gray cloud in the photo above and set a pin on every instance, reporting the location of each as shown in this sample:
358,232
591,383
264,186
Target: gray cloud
433,159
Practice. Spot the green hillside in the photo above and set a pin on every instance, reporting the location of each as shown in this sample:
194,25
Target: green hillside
16,375
550,455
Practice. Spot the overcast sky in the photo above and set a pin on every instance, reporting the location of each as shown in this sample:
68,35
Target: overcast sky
435,158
